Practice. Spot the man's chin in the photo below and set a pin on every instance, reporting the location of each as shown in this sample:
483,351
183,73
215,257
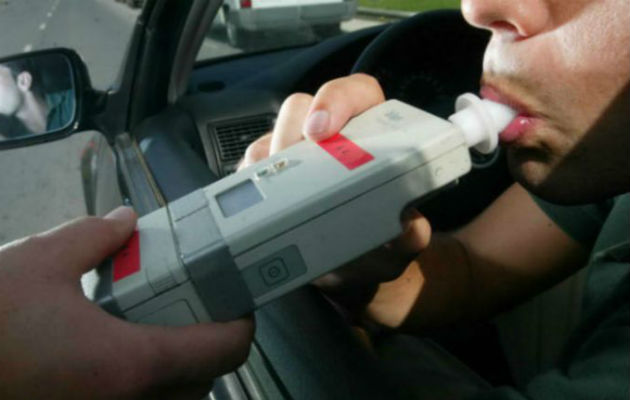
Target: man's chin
562,184
537,177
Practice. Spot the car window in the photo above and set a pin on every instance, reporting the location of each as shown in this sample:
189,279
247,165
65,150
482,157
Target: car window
98,30
243,26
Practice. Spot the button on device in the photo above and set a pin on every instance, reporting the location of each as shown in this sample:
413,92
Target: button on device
281,164
274,272
272,169
261,173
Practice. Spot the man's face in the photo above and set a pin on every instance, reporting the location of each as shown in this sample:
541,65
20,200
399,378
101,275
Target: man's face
565,66
10,95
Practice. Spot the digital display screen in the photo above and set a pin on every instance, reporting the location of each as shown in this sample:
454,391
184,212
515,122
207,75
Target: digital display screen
239,198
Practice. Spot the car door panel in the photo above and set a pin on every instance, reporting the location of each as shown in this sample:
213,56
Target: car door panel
170,147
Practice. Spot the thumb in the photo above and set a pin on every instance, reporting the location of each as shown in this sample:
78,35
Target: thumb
198,353
78,246
416,233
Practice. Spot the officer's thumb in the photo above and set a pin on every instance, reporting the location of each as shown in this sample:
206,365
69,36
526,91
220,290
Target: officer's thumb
78,246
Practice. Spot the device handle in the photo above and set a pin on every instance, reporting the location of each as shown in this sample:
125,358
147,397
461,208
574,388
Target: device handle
103,294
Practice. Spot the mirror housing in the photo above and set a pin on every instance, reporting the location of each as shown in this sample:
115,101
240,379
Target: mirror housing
42,97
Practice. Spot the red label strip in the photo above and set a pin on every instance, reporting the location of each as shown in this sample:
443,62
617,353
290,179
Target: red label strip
127,261
345,151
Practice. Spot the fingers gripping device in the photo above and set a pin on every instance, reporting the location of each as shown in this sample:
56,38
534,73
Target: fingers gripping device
222,251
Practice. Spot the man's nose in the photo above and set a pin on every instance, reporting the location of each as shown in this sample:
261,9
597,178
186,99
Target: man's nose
523,18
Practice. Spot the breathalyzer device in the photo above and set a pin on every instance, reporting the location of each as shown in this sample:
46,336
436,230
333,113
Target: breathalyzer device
224,250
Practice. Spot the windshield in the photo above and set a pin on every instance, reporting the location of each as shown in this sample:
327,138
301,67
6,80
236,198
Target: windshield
243,26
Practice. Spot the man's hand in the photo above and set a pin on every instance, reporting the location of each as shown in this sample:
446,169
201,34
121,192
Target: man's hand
55,343
319,117
509,252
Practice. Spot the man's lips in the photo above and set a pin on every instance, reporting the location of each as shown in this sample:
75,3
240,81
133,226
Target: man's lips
517,128
521,124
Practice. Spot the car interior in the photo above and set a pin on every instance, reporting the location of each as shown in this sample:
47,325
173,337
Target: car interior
305,348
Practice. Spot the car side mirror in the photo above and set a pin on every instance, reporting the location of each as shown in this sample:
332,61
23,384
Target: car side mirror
41,96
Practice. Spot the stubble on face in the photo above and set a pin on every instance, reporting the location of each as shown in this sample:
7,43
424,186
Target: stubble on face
574,81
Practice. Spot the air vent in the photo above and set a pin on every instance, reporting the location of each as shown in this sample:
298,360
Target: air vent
234,136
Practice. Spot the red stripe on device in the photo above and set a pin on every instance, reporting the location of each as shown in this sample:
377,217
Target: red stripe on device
127,260
345,151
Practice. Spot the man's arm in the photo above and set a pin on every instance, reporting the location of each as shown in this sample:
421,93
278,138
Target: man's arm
511,251
508,253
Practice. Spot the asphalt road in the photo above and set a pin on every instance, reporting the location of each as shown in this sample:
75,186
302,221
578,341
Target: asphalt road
40,186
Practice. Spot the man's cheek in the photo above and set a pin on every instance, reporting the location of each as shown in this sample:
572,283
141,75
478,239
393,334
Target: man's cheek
588,43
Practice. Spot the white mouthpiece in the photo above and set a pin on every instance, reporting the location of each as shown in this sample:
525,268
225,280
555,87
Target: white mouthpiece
481,121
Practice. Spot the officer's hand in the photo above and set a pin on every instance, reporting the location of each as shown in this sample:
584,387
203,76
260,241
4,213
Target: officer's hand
319,117
55,343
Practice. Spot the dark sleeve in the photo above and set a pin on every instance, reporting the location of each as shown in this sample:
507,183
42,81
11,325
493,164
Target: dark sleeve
596,366
582,223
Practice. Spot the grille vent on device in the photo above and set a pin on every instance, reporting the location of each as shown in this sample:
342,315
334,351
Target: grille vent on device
234,136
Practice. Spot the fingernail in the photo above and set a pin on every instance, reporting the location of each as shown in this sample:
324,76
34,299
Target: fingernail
121,213
316,124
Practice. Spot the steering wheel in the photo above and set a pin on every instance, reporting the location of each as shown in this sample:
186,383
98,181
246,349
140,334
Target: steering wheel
428,60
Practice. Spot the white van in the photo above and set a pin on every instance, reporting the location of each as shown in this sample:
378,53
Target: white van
245,18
